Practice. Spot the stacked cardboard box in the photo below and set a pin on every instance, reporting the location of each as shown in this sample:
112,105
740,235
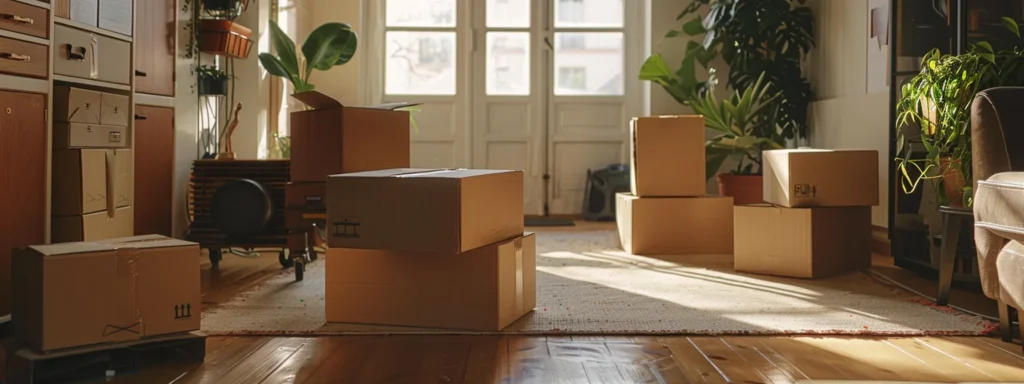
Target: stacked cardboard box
437,248
669,212
92,166
333,139
78,294
818,220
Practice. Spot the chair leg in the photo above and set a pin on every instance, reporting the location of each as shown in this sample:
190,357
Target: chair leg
1005,326
947,258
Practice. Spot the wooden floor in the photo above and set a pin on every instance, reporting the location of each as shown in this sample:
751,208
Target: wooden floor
477,359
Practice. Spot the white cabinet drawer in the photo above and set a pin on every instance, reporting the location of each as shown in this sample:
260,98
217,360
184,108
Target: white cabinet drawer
114,110
87,55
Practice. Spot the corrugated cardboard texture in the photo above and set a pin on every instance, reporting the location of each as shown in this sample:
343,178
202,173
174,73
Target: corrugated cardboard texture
821,178
667,156
75,135
80,178
485,289
93,226
674,225
802,242
78,294
343,140
432,210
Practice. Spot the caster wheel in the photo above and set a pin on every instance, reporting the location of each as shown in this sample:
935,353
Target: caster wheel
300,269
285,261
215,257
312,254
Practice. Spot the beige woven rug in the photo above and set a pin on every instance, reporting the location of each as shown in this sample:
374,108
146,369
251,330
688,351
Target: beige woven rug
588,285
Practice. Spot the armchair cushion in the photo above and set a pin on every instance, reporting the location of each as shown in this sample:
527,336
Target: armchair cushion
1011,274
999,219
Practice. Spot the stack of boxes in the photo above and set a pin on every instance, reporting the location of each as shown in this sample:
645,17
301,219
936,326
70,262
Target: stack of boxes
331,139
434,248
669,211
817,222
92,166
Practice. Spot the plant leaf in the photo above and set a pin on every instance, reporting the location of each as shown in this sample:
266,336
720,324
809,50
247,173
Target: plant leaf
694,27
285,49
329,45
1012,25
274,66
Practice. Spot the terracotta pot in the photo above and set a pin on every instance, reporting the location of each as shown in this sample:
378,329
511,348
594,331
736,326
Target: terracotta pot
744,189
953,183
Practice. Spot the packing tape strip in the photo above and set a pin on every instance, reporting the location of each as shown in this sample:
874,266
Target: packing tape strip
111,185
127,266
518,244
427,172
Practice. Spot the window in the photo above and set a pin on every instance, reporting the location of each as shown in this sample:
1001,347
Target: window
420,47
573,41
570,11
574,78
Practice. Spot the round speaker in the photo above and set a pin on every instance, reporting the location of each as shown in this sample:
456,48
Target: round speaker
241,209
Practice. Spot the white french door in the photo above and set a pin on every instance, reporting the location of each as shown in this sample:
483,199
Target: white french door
546,86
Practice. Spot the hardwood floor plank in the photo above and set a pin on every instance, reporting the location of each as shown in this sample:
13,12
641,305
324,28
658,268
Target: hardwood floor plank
805,361
735,365
488,360
931,361
776,368
305,360
696,367
1009,348
864,359
975,359
432,359
263,361
346,358
218,362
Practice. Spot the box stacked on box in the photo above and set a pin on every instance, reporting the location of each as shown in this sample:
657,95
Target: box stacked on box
437,248
817,222
669,211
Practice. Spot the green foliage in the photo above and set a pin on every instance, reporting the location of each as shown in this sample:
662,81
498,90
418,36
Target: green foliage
329,45
209,72
755,38
934,110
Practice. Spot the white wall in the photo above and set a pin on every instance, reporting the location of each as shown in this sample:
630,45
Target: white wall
186,126
343,82
845,115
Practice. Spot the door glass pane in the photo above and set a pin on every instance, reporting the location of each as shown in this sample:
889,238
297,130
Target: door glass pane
588,63
420,63
420,13
508,63
508,13
588,14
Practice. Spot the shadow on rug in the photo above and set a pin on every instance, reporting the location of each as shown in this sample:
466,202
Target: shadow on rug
588,285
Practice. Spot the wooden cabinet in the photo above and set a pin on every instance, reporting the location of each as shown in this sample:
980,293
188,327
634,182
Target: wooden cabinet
22,179
154,169
154,48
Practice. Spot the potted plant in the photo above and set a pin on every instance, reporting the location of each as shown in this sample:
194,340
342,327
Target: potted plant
329,45
212,81
225,9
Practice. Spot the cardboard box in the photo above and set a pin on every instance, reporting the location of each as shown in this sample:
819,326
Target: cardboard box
667,156
802,242
333,139
78,294
656,226
75,135
821,178
94,226
83,177
76,105
436,210
485,289
306,196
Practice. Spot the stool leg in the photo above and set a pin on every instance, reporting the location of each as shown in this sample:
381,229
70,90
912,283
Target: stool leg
947,256
1005,328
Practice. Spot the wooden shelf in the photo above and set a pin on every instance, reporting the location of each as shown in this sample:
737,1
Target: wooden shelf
93,83
39,4
23,37
89,28
26,84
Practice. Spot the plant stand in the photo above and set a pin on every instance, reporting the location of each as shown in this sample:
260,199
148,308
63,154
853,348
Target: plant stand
952,221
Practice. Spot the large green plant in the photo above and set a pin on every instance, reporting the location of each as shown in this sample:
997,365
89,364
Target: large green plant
934,110
329,45
744,125
755,38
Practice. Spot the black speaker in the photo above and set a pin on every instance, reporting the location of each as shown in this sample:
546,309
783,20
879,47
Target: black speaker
241,209
600,189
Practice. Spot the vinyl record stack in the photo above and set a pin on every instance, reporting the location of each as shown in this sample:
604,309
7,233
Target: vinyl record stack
669,211
431,248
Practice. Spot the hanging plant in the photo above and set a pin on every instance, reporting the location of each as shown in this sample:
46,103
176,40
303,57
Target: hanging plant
225,9
212,81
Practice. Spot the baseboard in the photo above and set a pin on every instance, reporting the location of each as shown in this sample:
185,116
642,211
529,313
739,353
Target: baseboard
880,241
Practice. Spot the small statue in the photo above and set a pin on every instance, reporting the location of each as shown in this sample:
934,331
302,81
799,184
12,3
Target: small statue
227,151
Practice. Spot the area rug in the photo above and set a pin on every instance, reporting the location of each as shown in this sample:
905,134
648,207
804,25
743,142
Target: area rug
587,285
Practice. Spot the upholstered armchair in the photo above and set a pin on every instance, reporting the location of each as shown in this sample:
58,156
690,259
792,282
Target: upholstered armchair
997,133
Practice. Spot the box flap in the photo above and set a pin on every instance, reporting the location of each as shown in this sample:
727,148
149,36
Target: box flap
393,106
438,173
132,239
317,100
62,249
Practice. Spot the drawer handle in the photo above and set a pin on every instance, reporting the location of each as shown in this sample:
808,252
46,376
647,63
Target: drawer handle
17,19
73,55
140,117
139,73
15,57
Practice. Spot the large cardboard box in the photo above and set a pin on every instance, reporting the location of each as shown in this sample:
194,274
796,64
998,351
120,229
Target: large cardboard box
333,139
433,210
77,294
91,180
667,156
94,226
485,289
656,226
802,242
821,177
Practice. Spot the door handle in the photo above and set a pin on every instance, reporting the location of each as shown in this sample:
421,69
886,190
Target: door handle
73,55
15,57
16,18
139,73
140,117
